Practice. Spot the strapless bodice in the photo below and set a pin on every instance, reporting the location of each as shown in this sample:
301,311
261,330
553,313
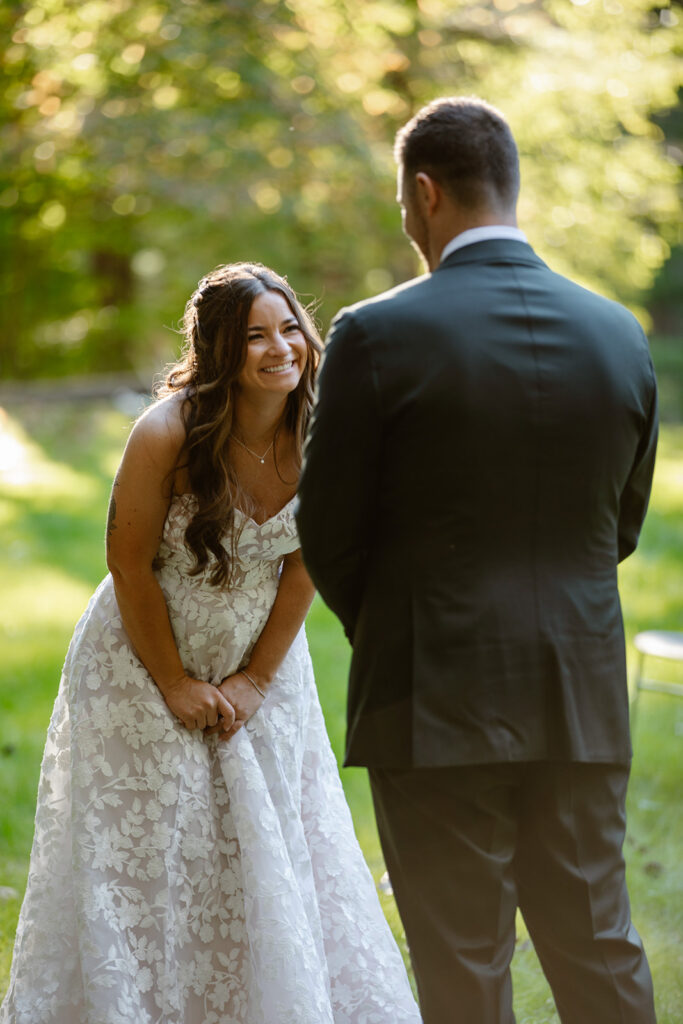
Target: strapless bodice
259,547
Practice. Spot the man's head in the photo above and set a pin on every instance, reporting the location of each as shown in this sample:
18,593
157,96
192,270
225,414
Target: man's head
458,168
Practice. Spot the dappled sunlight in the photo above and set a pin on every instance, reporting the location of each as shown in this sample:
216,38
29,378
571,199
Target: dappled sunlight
14,467
113,430
25,468
39,597
155,140
55,476
667,487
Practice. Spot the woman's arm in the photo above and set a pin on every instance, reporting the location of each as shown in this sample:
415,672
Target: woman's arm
137,511
294,596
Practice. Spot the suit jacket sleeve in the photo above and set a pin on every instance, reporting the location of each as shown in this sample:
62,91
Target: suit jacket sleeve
636,494
337,505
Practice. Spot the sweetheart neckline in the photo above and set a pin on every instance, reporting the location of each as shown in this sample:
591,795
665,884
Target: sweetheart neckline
190,496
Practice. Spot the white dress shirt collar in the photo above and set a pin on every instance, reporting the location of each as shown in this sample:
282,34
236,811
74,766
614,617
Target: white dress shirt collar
482,234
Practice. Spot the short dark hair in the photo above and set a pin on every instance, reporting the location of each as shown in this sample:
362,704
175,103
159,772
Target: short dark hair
466,145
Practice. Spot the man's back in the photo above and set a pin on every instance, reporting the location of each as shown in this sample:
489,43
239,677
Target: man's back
480,458
509,405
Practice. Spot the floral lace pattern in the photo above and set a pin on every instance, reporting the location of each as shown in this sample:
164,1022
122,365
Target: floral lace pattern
178,880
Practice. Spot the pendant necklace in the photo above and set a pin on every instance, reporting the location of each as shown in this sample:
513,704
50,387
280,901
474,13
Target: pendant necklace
261,458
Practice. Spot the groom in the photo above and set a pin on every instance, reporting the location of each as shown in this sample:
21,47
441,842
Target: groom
479,462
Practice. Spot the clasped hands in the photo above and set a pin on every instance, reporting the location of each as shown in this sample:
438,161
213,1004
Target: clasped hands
219,709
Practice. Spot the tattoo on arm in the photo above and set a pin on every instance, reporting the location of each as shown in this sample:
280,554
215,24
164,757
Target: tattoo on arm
111,515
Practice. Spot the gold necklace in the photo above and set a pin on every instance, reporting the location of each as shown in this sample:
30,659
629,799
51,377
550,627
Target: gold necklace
261,458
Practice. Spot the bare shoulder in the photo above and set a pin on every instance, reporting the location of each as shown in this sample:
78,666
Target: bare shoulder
161,428
143,484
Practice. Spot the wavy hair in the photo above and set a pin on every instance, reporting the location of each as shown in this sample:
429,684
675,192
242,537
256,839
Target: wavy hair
215,328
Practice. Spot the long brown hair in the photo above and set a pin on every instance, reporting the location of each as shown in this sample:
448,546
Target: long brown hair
215,328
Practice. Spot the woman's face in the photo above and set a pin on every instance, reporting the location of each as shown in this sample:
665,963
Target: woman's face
276,348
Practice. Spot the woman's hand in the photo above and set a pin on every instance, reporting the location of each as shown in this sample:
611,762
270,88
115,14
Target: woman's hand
198,705
244,698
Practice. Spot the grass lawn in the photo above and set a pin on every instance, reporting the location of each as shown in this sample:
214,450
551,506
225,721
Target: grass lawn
56,463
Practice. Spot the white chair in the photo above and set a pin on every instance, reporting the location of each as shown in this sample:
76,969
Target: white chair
656,643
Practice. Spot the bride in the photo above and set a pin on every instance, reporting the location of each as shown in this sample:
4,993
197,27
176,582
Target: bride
194,860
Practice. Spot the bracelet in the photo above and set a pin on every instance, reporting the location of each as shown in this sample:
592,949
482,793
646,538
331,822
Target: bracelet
253,683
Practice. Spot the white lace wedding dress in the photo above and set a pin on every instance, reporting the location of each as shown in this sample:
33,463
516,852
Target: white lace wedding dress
178,880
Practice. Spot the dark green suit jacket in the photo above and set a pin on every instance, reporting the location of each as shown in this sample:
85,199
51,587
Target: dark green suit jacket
480,459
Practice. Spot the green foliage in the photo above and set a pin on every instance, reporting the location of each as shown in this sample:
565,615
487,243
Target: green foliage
667,355
147,141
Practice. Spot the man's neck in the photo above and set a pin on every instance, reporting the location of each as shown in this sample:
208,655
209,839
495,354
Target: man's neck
482,233
459,221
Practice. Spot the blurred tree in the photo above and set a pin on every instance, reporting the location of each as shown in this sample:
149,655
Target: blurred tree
665,300
145,141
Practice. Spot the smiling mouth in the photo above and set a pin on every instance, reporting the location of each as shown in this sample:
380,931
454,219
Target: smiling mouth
280,368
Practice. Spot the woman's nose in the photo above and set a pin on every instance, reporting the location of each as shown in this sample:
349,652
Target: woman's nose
279,342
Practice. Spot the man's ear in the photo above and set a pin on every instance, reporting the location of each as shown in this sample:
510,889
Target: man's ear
428,193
